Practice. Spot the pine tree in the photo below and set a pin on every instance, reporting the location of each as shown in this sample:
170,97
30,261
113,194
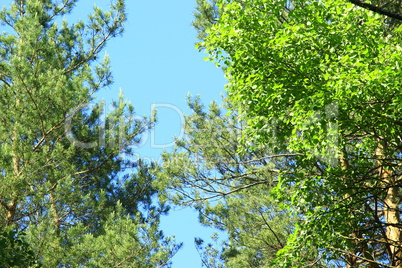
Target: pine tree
230,183
64,161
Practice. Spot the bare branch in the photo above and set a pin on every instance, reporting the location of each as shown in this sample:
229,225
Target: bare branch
361,258
376,9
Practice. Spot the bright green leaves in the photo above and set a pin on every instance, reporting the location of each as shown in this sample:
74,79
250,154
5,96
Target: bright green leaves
314,58
320,80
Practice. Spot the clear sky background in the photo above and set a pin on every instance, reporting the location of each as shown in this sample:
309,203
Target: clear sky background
155,62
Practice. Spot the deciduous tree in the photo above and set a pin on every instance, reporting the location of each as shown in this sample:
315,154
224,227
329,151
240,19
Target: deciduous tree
322,80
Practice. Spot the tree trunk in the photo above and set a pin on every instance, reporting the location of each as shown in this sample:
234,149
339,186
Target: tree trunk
56,218
392,202
393,221
12,205
11,208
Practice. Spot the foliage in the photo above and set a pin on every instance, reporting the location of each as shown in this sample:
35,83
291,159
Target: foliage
64,159
211,255
391,9
321,80
205,16
15,251
230,184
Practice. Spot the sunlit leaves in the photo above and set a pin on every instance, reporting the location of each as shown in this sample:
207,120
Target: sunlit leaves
320,79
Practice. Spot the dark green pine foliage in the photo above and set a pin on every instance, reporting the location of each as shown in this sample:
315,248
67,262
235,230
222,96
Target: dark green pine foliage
15,251
205,15
61,155
230,183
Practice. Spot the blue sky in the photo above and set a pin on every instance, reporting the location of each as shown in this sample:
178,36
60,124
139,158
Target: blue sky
155,62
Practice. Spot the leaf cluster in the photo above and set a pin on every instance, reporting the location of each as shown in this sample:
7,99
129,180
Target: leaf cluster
321,80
